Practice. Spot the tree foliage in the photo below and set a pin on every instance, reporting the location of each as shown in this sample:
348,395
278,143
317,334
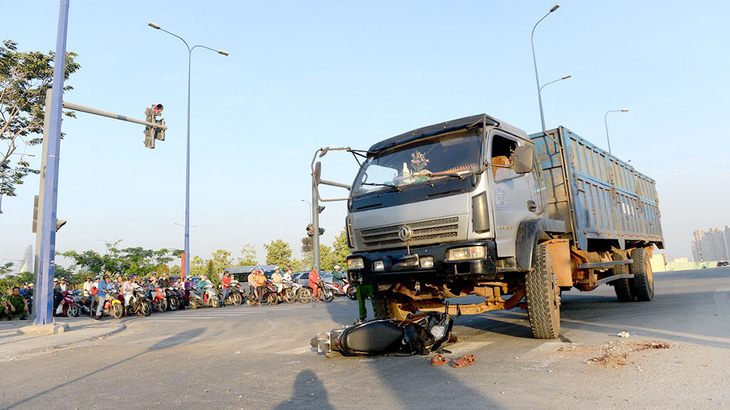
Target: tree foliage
278,253
124,261
249,256
24,79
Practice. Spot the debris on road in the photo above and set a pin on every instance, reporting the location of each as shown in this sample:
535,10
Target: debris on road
616,354
623,334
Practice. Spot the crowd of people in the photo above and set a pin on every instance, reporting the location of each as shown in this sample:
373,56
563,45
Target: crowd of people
94,290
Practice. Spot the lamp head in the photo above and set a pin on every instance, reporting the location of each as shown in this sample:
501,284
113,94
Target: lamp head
225,53
555,7
154,26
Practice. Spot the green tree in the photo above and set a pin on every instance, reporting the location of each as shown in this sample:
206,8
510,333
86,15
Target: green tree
121,261
198,266
24,79
249,256
340,250
278,253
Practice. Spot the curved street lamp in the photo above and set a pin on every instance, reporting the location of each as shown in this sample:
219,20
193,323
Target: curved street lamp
605,121
187,161
565,77
534,60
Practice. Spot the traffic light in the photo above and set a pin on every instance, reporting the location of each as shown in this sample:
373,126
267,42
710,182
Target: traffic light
320,208
321,231
153,133
307,244
149,137
310,230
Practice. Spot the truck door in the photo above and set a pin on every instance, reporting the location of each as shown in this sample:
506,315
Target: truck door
514,195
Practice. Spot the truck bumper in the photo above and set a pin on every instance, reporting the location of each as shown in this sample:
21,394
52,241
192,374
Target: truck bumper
398,266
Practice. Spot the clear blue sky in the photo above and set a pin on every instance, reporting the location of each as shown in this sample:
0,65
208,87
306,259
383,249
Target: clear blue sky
307,74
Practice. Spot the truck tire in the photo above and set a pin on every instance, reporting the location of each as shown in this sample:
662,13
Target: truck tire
543,302
643,276
624,288
387,308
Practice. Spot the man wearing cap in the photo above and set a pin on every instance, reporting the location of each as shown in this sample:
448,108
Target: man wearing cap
64,286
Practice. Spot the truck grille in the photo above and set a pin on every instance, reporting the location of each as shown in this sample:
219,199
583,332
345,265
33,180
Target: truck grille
423,232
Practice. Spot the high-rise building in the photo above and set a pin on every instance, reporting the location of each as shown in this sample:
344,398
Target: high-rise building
713,245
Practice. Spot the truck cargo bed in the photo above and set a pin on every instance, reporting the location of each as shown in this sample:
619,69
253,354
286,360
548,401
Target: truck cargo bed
604,201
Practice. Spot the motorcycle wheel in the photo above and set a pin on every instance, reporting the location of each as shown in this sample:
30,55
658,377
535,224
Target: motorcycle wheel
146,307
73,311
289,296
160,305
214,302
117,310
271,299
328,295
304,295
237,299
352,293
174,303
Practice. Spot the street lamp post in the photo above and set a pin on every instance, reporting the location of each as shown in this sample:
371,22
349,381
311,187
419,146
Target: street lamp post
310,209
605,121
565,77
534,60
187,158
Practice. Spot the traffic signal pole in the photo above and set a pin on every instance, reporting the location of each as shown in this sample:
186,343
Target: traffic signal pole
316,262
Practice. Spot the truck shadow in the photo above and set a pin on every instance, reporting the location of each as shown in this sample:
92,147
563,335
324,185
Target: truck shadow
309,393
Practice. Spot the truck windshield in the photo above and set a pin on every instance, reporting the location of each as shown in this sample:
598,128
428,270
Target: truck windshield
424,161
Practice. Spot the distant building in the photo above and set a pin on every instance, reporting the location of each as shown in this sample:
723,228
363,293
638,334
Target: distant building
711,245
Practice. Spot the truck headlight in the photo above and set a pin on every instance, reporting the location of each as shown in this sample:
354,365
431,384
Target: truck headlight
470,252
378,266
355,263
426,262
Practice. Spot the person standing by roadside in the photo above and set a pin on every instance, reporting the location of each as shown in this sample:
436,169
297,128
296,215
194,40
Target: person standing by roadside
260,281
252,283
226,285
363,291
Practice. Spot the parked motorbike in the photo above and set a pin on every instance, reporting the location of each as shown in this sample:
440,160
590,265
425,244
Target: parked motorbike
174,298
159,299
139,303
343,289
418,334
302,294
208,298
68,307
234,295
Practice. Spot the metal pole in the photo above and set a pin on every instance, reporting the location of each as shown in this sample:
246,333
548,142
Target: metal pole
44,302
315,226
605,122
187,171
534,60
187,156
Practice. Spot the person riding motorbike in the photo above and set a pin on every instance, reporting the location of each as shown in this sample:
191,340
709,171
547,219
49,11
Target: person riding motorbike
164,282
277,280
104,287
127,289
260,281
314,280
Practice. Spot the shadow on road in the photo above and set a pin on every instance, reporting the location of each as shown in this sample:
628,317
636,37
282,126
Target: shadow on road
170,342
309,393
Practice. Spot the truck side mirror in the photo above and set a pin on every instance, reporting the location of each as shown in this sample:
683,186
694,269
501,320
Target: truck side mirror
523,159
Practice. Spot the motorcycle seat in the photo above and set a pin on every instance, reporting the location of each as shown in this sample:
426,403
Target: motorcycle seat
378,336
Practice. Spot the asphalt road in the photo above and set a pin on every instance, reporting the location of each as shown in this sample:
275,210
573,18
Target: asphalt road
677,356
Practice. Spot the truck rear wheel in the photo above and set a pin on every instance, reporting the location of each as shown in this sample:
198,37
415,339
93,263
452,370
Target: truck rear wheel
624,288
643,276
387,308
543,302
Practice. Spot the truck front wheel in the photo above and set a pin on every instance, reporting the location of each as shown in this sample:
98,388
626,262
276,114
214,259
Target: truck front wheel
543,302
385,307
643,276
